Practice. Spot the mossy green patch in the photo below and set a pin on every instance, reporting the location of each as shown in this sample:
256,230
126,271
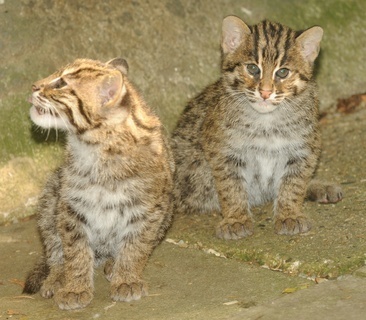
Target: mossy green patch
19,137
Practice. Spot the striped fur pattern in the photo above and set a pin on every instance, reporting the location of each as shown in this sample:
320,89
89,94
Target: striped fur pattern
110,202
253,136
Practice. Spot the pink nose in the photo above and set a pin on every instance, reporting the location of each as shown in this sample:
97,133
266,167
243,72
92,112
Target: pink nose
265,94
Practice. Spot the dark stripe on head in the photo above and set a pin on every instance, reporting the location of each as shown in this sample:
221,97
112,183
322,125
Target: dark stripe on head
66,110
265,30
90,70
138,122
303,77
287,47
256,41
276,45
127,102
272,29
81,107
232,67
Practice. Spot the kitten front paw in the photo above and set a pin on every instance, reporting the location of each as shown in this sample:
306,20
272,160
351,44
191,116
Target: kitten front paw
128,291
69,300
233,229
290,226
324,192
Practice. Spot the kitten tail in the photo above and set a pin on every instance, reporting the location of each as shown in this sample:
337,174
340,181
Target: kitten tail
36,277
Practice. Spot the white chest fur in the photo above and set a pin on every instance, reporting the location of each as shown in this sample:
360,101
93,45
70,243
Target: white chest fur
108,208
265,148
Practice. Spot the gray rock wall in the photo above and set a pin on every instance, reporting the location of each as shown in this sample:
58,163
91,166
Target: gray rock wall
172,47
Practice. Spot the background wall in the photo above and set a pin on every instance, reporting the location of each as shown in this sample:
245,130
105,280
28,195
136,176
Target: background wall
172,47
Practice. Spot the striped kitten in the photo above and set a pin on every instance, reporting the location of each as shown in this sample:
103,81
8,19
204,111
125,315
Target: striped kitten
110,200
253,136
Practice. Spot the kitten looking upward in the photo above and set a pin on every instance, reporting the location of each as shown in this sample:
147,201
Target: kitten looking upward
253,136
110,201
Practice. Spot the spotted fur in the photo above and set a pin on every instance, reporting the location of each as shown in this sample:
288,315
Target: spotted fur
111,199
253,136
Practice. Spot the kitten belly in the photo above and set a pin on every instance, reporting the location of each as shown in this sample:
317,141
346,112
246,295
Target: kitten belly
106,232
262,177
108,215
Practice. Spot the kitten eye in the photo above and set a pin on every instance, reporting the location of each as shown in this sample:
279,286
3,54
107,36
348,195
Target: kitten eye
58,83
282,73
253,69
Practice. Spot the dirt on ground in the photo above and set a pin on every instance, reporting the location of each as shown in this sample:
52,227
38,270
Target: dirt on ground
184,284
172,47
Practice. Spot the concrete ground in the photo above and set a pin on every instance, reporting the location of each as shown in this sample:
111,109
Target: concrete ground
184,283
172,47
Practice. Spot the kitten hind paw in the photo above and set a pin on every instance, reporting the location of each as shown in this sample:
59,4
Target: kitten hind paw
108,269
291,226
128,291
49,288
232,229
324,192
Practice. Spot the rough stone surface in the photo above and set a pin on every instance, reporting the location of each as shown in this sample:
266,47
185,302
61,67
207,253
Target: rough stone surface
183,284
172,47
337,300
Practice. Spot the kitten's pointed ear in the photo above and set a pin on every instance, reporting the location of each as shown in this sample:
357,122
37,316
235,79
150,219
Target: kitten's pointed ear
309,43
111,89
233,32
120,64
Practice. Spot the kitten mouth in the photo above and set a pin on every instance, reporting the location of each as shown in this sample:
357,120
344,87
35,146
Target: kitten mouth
42,111
265,103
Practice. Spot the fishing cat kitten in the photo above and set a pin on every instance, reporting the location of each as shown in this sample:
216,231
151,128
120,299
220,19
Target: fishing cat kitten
253,136
111,199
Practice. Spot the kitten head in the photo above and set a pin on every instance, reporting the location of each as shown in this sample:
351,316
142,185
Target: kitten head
80,96
268,62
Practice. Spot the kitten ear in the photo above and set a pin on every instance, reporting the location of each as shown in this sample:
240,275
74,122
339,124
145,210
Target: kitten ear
120,64
233,31
309,43
111,89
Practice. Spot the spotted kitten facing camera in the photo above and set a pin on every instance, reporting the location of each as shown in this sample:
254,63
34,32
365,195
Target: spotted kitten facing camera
253,136
110,201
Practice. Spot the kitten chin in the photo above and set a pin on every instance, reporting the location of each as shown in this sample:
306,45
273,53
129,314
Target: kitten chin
263,106
45,119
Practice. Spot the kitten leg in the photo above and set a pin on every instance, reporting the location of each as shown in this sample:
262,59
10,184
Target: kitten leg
237,220
126,283
324,192
288,216
136,247
77,291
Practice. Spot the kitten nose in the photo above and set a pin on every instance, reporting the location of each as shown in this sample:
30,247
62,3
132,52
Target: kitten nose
34,88
265,93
